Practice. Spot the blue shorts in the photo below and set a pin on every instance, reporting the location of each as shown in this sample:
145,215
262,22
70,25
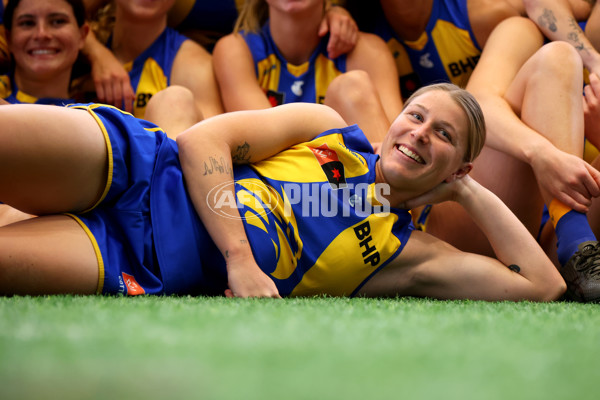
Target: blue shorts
119,225
145,231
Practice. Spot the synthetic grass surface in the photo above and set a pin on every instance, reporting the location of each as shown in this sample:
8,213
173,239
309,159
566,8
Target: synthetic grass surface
69,347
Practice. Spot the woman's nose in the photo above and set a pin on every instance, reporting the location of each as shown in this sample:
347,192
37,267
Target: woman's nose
422,133
42,30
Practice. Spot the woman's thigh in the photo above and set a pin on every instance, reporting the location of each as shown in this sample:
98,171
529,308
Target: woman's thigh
47,255
52,159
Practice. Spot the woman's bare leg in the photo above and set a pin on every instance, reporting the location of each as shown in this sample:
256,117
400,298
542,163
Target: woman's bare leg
52,159
47,255
173,109
540,95
354,97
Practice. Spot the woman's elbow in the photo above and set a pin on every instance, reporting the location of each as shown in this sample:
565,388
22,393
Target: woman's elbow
552,290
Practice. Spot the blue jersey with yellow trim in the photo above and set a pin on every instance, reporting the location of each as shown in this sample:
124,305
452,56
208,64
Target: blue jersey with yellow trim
11,93
150,72
446,52
287,83
309,212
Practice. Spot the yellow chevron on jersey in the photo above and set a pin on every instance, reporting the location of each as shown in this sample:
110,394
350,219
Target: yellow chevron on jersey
446,51
458,53
342,280
295,164
11,93
271,203
150,72
269,71
325,72
284,82
152,81
297,70
8,93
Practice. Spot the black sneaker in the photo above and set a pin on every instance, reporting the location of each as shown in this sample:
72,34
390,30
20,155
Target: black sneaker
582,273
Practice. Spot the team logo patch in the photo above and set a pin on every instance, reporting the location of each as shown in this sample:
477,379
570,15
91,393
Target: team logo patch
275,98
133,288
331,165
425,61
297,88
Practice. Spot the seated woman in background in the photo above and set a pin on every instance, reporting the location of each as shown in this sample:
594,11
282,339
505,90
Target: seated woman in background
277,56
193,18
44,39
157,56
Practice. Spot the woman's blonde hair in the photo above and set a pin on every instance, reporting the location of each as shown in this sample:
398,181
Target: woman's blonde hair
255,13
476,123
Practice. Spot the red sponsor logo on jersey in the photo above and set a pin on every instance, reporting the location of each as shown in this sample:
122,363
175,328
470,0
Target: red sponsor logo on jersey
133,288
331,165
324,154
275,98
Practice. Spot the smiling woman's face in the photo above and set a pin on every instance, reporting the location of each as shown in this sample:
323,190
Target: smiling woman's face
426,144
45,38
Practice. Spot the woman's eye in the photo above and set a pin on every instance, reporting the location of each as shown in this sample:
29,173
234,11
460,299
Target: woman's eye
445,135
59,21
417,116
26,23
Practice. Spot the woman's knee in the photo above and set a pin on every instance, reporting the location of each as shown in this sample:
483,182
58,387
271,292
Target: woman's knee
354,87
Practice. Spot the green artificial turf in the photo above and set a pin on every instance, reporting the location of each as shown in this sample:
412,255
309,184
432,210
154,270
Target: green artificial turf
69,347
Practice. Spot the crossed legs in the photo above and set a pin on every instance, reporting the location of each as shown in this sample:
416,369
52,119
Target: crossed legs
52,160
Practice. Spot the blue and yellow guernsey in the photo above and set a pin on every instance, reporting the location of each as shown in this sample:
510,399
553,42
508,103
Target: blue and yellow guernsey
11,93
309,212
150,72
446,52
287,83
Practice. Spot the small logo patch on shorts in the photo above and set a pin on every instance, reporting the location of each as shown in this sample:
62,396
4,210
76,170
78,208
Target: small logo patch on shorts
133,288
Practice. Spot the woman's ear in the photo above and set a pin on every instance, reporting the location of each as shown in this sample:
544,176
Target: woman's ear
84,31
462,171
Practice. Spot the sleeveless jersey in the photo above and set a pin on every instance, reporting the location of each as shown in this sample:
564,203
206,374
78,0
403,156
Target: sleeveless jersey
309,213
150,72
286,83
11,93
446,52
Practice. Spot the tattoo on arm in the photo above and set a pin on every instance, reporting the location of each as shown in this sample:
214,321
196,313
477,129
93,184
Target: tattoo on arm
243,241
515,268
575,35
548,20
213,166
242,154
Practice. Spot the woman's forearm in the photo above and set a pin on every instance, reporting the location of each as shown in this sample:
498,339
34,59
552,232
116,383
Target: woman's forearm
511,241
